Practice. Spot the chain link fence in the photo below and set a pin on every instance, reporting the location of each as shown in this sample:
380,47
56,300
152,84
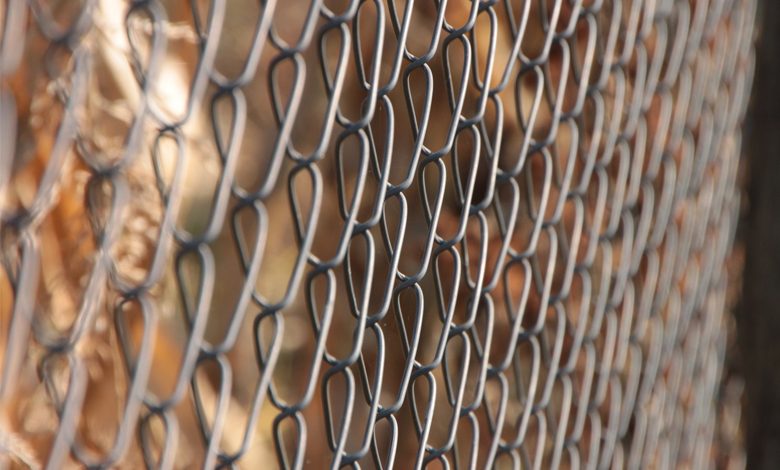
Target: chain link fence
368,233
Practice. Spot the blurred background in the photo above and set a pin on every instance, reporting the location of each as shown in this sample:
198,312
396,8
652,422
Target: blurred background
757,355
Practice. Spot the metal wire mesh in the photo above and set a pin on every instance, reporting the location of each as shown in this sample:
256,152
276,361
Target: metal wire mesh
378,234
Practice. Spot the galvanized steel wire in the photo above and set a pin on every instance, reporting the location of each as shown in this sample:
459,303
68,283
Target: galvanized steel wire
367,233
